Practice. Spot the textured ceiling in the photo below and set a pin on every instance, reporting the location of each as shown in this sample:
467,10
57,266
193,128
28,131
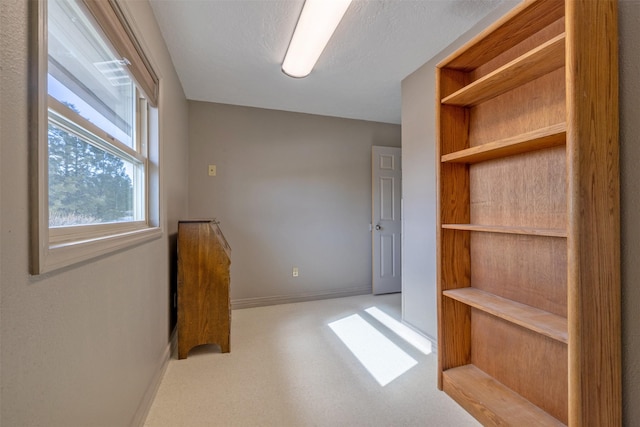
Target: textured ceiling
230,51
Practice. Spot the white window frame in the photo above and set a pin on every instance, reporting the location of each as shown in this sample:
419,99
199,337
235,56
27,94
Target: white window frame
54,248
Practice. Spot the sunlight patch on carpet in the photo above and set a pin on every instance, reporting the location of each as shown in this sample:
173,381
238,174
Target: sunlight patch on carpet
384,360
406,333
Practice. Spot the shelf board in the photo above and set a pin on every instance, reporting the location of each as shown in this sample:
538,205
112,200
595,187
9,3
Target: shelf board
534,319
523,21
527,231
490,401
551,136
536,63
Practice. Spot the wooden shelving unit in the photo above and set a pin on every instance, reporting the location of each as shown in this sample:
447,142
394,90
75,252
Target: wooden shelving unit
528,218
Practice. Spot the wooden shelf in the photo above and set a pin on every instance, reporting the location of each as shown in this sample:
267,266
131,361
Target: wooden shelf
506,34
536,63
551,136
527,231
534,319
490,401
534,96
540,321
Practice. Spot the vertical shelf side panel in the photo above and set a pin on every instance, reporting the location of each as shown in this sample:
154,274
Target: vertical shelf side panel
456,334
595,393
453,265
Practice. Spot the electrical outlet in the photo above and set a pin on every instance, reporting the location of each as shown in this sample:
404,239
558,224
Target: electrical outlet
212,170
295,272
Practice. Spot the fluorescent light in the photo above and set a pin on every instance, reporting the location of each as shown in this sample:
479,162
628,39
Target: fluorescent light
381,357
404,332
317,22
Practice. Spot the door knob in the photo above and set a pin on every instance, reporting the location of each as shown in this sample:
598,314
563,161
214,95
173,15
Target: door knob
378,227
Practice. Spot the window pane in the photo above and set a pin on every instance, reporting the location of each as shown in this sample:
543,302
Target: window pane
88,185
85,73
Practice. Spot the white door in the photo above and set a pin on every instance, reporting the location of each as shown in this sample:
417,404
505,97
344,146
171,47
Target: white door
386,219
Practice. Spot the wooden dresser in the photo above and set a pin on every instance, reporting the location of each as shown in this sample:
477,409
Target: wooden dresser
204,311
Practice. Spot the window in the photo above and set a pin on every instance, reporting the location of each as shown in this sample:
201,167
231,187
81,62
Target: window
95,189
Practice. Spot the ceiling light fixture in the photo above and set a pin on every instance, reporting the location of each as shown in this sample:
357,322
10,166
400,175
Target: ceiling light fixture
317,22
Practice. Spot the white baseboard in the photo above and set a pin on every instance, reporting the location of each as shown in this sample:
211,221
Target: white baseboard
147,400
309,296
434,342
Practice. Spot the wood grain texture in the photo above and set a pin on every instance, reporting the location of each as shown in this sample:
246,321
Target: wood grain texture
527,269
529,212
534,319
527,190
550,136
204,315
528,67
528,108
456,333
525,231
453,206
536,39
594,206
519,24
454,322
492,403
528,363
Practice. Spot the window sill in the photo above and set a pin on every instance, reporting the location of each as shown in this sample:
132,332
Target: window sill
64,254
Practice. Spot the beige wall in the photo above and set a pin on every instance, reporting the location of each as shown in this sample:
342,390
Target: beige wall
419,307
291,190
419,190
81,346
418,143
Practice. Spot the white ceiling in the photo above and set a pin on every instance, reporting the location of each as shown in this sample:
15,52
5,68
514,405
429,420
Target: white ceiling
230,51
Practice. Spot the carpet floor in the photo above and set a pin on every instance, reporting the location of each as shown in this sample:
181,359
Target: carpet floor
287,367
